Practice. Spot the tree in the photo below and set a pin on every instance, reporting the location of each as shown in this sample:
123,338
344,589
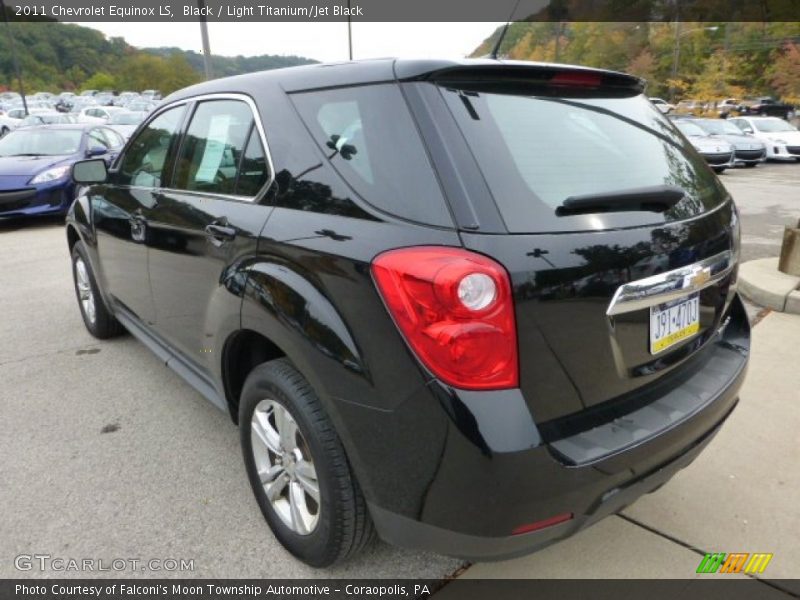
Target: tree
785,73
717,79
100,81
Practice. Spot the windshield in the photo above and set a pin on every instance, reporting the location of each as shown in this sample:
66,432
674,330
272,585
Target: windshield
41,142
720,127
689,128
773,125
538,150
126,119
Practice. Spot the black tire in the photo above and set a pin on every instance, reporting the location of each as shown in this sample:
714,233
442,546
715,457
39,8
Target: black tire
3,131
718,170
102,324
750,165
344,527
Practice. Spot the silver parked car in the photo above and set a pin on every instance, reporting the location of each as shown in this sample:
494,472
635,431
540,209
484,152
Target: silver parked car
717,152
748,150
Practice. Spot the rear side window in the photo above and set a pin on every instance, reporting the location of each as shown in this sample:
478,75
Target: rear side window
221,153
370,138
536,148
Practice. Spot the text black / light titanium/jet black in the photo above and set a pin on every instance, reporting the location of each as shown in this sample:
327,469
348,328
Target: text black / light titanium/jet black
471,306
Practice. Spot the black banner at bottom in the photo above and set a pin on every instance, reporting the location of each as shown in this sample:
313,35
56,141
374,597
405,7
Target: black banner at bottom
702,588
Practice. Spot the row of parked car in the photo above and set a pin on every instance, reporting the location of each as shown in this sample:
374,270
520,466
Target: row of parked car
740,141
123,111
764,106
40,142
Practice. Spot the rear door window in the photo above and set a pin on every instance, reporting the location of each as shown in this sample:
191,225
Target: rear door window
218,149
370,138
536,148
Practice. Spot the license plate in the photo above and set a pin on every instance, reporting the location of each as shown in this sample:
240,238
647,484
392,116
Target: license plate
674,322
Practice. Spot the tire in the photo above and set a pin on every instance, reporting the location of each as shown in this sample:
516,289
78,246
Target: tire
96,316
718,170
3,131
750,165
276,398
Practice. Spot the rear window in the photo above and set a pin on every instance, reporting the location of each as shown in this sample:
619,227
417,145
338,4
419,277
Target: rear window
538,148
370,138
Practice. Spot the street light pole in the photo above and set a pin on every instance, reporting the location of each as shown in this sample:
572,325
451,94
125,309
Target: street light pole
14,61
349,32
204,36
677,52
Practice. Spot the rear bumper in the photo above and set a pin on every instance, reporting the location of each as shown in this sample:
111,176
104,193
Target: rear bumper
483,489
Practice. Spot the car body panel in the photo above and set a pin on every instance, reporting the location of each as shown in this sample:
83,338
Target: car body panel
441,468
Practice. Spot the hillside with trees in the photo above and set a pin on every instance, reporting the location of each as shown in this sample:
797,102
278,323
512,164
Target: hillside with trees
714,60
58,56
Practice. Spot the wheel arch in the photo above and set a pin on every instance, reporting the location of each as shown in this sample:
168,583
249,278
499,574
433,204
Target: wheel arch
243,351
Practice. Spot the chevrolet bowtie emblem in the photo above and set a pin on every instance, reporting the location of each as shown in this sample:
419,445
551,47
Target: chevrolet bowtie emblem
700,278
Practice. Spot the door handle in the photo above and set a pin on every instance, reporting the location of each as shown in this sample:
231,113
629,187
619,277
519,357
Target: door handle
221,233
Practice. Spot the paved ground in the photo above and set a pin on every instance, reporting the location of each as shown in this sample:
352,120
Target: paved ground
167,480
768,198
167,483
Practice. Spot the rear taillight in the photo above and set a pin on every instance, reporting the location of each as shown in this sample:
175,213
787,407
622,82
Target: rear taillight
455,309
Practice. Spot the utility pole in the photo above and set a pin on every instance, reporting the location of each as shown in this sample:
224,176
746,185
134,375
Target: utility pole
14,61
676,56
349,32
204,35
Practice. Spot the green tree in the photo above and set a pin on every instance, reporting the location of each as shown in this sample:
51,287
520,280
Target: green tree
100,81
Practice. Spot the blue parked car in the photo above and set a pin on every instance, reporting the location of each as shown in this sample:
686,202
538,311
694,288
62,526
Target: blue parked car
35,165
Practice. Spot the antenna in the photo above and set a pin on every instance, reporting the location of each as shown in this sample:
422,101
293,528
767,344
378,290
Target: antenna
500,39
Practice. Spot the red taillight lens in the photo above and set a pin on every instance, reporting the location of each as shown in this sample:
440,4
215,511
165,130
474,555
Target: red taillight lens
455,309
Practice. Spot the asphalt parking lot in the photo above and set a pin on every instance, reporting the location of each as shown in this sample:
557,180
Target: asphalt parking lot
108,454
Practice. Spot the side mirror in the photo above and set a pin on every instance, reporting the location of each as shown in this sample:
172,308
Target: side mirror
90,171
96,151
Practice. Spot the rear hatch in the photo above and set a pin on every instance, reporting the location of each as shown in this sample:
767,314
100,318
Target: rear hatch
578,186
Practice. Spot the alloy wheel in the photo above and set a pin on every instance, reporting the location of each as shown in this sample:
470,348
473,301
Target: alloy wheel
285,467
85,294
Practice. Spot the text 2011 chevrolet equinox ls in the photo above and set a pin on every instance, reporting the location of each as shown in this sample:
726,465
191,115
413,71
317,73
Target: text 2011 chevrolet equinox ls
472,307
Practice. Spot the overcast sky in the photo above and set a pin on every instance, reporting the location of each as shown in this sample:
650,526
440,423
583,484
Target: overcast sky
321,41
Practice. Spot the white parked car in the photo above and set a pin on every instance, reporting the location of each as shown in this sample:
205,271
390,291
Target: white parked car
662,105
782,138
13,117
97,114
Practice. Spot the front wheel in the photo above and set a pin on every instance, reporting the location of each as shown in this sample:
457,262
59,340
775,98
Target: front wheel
96,316
298,469
718,170
3,131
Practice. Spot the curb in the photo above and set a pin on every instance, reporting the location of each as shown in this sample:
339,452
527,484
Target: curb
762,283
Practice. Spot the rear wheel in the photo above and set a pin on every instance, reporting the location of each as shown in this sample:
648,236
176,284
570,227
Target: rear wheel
718,170
750,165
298,469
96,316
3,131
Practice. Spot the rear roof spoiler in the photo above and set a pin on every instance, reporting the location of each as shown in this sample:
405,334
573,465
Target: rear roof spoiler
518,72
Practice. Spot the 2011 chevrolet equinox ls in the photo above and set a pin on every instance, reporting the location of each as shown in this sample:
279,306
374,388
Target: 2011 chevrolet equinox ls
472,307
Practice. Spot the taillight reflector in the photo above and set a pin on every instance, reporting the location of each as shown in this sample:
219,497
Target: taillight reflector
536,525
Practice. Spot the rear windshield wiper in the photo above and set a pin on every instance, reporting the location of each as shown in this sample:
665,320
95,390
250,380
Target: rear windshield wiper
659,198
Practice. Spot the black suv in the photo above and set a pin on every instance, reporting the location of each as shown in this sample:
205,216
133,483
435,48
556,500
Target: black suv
471,306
